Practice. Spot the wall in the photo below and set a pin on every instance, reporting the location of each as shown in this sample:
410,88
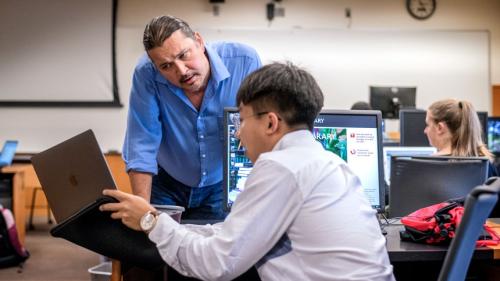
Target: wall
38,129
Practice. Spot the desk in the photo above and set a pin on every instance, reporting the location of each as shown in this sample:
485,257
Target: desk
18,196
415,261
403,251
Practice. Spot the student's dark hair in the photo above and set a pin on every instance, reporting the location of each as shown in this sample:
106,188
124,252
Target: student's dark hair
284,88
361,105
161,27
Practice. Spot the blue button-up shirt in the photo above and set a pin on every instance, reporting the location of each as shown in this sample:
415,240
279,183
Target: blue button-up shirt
164,128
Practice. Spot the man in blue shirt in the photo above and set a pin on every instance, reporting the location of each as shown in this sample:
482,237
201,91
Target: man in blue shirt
174,142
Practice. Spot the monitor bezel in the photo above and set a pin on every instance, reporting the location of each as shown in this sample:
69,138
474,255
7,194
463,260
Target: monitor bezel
225,177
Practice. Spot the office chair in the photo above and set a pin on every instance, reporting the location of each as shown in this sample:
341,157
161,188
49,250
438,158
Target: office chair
478,205
420,181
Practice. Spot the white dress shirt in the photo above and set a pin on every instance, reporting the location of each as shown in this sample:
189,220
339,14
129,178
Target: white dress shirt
302,216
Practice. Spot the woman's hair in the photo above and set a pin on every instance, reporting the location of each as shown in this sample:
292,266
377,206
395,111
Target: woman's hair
465,128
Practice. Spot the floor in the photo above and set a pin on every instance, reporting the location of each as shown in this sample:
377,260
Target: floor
51,259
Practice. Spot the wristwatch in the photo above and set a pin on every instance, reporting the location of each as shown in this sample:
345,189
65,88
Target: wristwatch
148,221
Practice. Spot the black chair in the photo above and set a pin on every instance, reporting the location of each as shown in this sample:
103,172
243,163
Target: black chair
478,205
417,182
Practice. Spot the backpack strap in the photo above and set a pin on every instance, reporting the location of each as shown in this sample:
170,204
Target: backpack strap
495,239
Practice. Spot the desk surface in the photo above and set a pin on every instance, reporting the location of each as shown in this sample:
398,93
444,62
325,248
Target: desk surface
402,251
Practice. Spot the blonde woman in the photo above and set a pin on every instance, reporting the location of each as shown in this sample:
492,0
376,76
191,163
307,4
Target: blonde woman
453,128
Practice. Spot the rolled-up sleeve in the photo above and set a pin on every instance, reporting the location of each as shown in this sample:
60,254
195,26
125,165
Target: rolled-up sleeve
144,133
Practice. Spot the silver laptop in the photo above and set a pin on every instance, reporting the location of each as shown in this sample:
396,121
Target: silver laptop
73,174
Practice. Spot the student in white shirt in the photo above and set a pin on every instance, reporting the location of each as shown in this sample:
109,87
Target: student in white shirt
302,215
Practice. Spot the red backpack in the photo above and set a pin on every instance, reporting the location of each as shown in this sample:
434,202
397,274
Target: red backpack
12,253
436,224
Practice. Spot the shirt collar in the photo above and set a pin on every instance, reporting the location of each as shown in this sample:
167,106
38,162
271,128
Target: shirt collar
295,138
218,70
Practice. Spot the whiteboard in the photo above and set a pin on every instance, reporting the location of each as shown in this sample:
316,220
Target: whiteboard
441,64
57,52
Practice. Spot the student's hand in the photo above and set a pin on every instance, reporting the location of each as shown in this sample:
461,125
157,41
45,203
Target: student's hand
130,208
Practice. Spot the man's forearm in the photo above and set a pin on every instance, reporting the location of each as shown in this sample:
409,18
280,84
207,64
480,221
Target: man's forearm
141,184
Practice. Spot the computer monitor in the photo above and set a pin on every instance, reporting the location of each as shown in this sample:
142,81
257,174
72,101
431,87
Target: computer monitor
390,100
494,135
8,152
400,151
421,181
412,126
355,136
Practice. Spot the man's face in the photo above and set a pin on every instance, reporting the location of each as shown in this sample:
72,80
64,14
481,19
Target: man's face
252,132
182,61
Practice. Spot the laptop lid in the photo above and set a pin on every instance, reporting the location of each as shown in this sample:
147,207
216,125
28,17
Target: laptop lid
73,174
8,152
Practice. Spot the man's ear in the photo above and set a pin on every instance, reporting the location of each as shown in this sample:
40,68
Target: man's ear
273,123
199,40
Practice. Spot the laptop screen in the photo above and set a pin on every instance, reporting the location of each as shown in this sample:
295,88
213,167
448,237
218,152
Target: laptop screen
8,152
409,151
355,136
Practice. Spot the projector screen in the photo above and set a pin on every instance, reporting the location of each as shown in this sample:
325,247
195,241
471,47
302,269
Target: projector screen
58,53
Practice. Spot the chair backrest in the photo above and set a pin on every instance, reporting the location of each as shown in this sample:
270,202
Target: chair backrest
417,182
478,206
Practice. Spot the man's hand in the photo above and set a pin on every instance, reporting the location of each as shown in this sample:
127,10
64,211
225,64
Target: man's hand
130,208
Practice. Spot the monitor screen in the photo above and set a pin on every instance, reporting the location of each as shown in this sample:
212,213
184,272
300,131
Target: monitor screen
409,151
390,100
494,135
412,126
355,136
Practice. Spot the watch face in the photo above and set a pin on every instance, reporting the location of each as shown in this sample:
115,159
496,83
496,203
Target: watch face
147,221
421,9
